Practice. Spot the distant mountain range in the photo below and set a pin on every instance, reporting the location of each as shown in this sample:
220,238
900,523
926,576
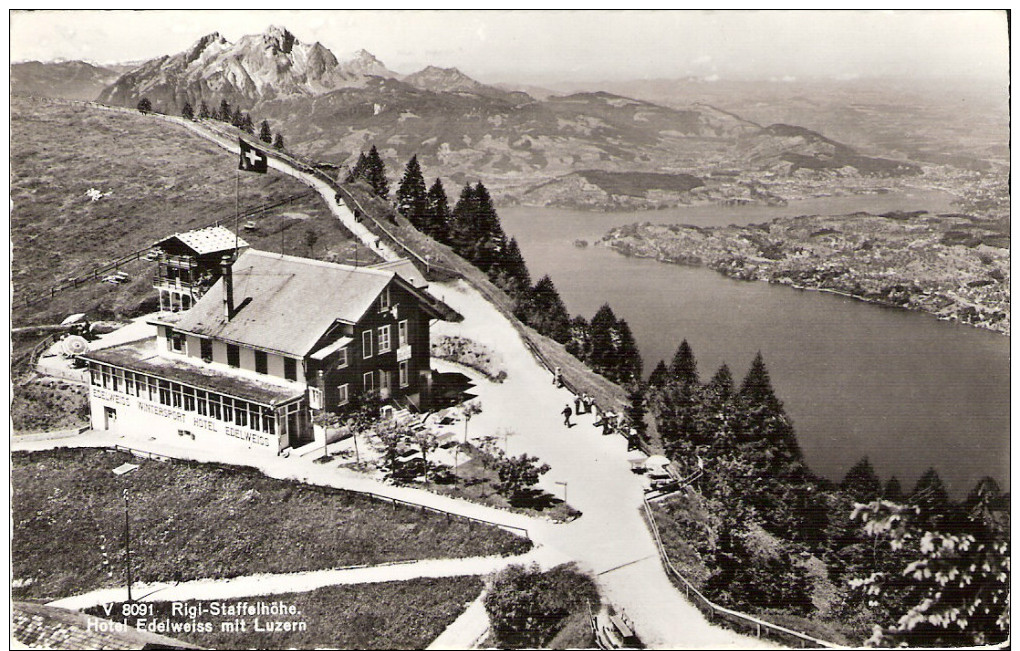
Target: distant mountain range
460,128
65,79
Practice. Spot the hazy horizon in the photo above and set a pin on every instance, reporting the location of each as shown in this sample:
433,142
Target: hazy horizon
565,47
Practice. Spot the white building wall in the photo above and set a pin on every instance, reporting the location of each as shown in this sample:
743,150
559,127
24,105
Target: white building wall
247,358
219,352
145,419
275,365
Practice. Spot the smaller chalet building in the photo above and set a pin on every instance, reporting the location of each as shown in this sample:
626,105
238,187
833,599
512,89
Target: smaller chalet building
189,264
275,340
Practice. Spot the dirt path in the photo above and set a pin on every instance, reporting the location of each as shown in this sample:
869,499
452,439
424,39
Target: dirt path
270,584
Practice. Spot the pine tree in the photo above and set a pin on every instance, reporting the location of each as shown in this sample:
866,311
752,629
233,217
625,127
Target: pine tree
893,491
580,339
224,114
514,271
278,141
603,346
437,214
360,169
757,385
203,110
684,368
861,483
491,241
144,105
412,197
188,113
628,358
247,125
931,495
545,311
722,382
462,223
265,133
376,174
659,376
237,119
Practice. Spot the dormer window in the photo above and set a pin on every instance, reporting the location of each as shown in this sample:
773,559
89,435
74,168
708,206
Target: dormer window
174,341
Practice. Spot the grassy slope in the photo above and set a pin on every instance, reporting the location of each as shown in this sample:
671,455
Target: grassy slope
192,520
393,615
162,179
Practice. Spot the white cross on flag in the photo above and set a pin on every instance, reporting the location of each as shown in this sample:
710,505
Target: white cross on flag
252,159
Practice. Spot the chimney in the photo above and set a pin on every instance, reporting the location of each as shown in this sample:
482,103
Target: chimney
228,286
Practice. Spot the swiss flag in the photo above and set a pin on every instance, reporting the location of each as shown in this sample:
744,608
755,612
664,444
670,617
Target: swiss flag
252,159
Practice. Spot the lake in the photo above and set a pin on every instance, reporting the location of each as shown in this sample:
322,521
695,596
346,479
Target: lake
905,389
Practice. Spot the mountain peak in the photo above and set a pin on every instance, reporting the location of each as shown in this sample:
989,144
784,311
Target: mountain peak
436,79
279,38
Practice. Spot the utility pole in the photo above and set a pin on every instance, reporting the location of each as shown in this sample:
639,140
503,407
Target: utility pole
127,544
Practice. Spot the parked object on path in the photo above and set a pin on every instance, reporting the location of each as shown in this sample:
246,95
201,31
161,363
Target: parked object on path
614,631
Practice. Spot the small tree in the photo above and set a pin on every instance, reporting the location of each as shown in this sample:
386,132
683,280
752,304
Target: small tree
224,113
861,483
376,174
412,196
188,113
203,110
247,125
311,237
470,410
265,134
516,474
278,141
144,105
237,118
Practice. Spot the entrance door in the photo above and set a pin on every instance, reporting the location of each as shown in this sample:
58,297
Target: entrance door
109,418
384,384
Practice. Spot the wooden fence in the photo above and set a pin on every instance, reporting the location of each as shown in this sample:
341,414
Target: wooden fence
740,622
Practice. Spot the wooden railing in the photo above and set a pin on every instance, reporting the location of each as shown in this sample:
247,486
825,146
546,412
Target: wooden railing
738,621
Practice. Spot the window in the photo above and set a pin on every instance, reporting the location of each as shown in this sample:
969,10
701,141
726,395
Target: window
268,420
164,392
174,341
404,380
290,368
341,360
175,395
384,380
214,407
129,383
315,398
97,375
254,416
384,339
402,333
233,355
118,379
228,409
261,362
206,345
189,399
366,344
341,392
107,377
241,413
203,404
368,381
384,300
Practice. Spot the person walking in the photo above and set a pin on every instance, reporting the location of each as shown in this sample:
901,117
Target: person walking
587,401
558,377
577,405
566,415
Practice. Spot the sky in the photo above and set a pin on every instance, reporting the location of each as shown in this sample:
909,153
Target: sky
532,46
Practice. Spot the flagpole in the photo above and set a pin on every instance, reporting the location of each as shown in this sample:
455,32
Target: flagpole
237,209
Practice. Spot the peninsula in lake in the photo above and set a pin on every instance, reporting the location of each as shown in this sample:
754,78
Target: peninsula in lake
954,266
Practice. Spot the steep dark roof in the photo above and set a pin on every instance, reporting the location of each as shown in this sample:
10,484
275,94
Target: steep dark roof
286,304
141,356
48,627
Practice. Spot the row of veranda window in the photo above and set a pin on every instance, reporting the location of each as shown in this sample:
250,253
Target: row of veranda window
173,394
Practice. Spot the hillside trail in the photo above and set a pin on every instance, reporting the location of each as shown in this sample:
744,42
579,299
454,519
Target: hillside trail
610,539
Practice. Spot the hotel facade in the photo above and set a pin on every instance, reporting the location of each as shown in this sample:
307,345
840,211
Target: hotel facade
275,341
